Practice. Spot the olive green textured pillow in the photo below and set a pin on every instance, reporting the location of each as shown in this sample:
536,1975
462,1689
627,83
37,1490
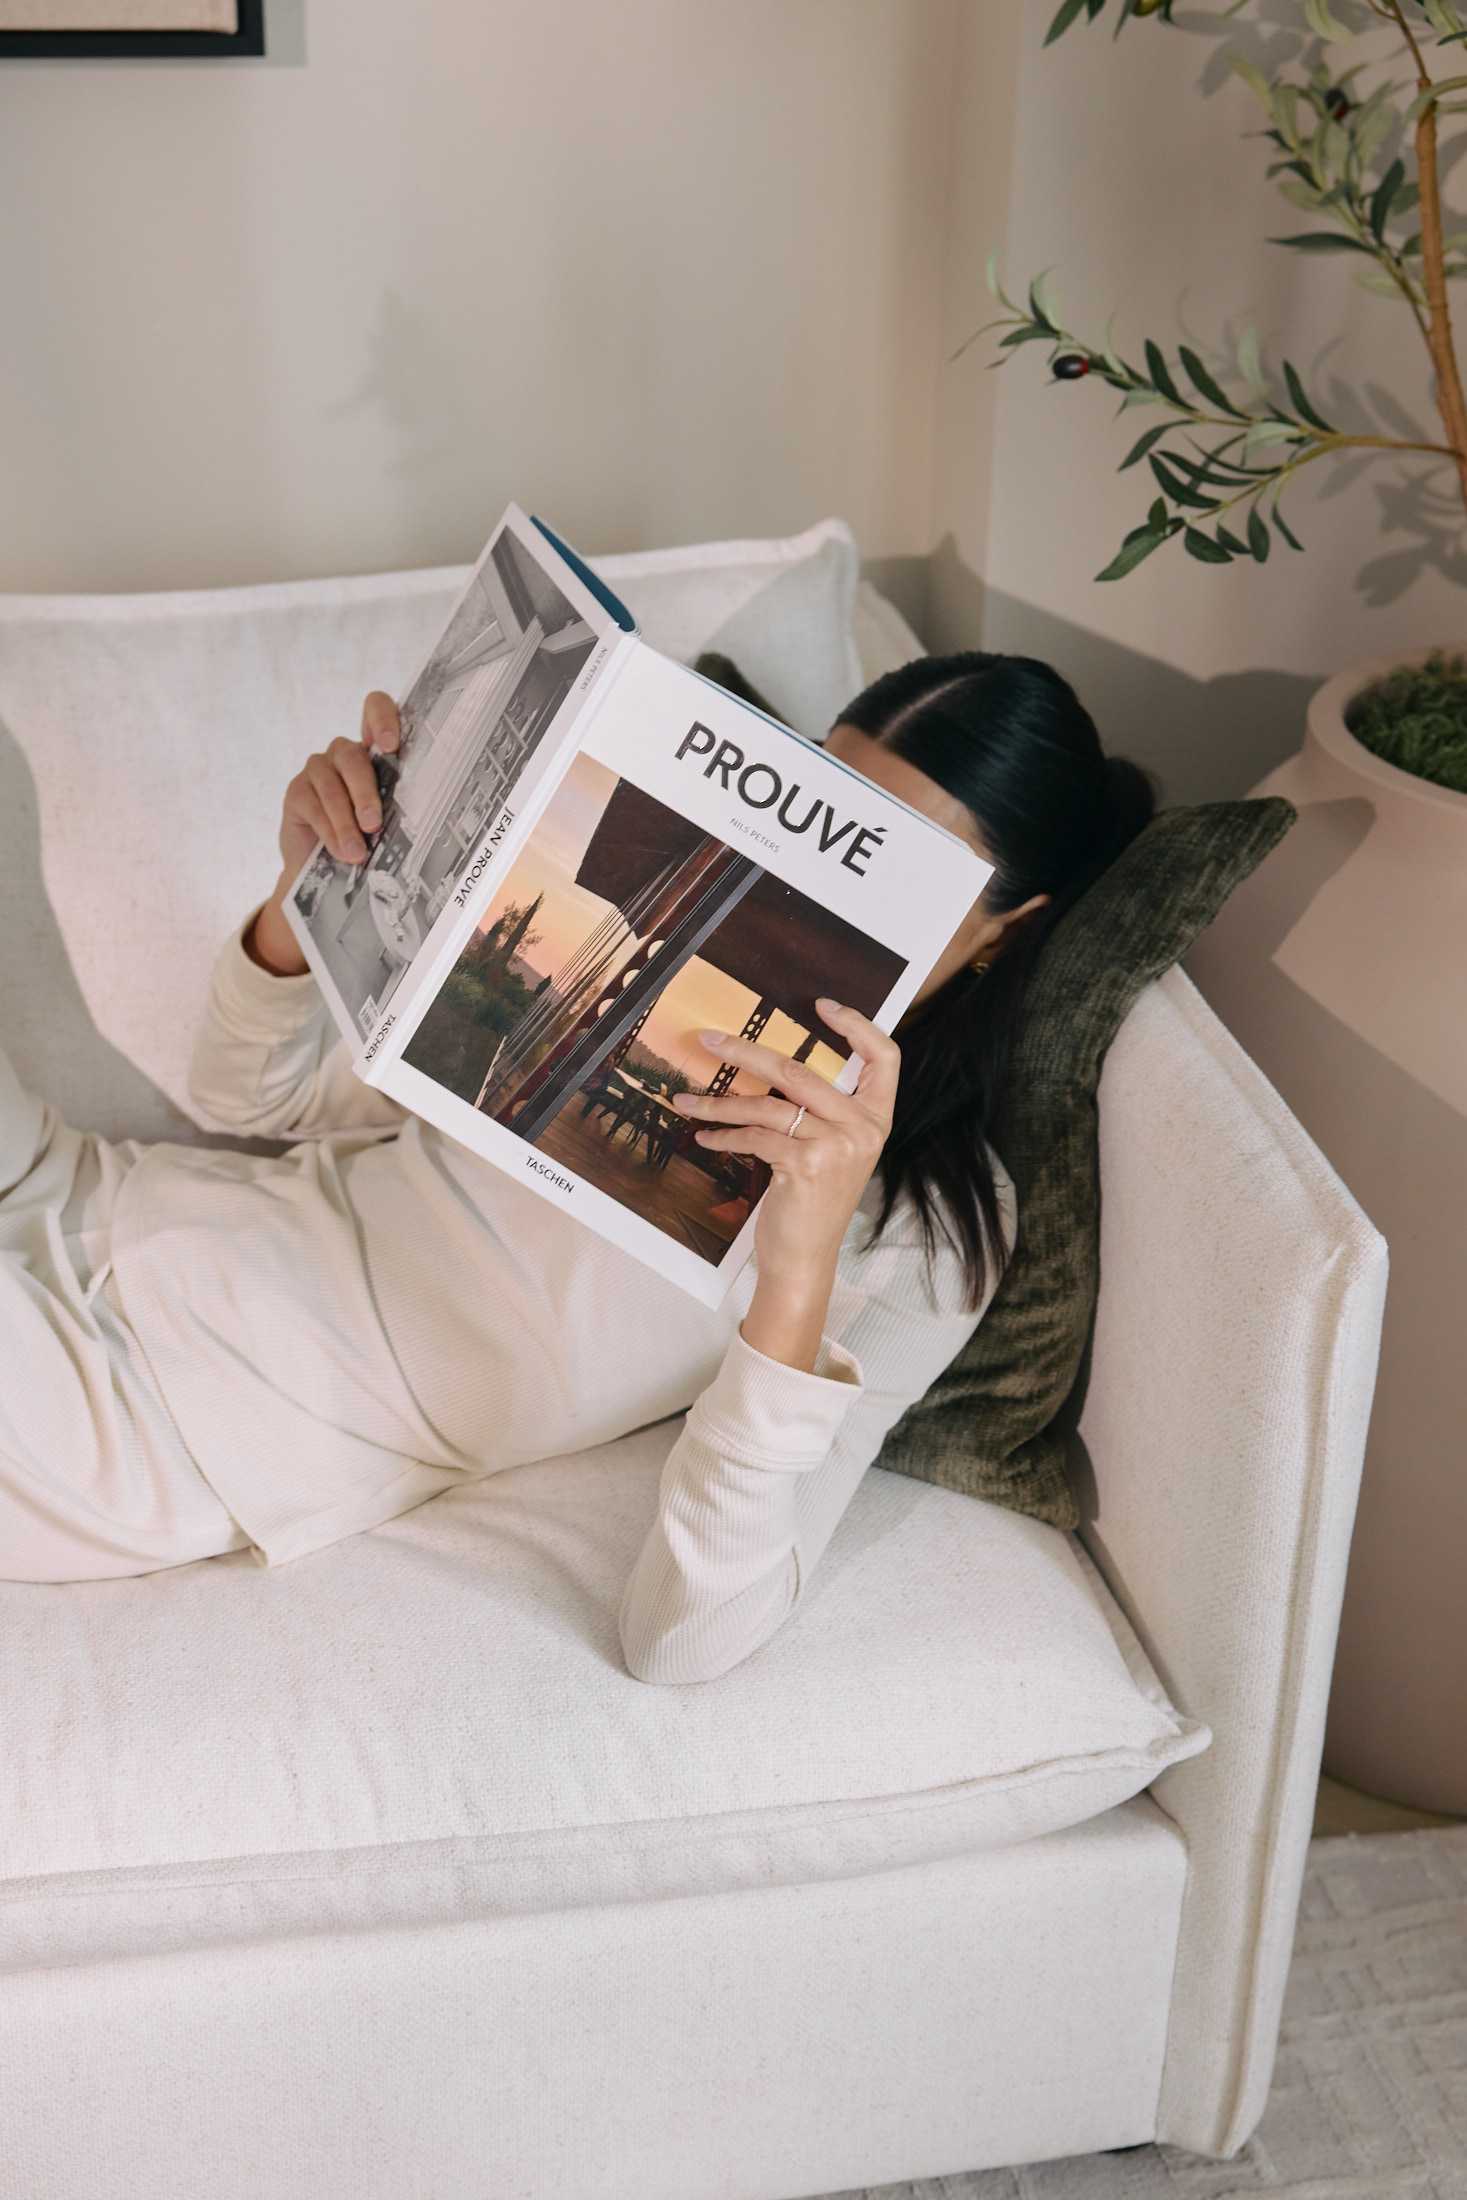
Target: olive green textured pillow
988,1425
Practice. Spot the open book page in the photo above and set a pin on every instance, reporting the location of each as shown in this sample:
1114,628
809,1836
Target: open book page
697,865
483,723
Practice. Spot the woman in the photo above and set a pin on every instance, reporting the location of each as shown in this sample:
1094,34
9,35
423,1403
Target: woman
216,1350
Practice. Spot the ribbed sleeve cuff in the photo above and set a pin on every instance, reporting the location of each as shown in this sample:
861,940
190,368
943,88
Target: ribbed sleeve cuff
257,998
768,1415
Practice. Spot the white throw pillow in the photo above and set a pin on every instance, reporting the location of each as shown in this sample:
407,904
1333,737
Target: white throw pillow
784,610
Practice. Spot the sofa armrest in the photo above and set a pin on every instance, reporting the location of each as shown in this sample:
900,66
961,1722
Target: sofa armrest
1222,1433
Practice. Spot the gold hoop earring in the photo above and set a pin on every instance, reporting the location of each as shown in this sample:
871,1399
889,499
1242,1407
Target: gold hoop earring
980,963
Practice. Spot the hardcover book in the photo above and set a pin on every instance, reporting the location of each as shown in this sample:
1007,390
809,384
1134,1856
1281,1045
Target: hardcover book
588,854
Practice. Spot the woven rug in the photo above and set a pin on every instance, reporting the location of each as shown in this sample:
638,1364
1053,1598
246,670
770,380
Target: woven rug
1369,2098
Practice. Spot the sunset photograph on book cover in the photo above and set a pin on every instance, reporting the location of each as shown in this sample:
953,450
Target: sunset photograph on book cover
572,1015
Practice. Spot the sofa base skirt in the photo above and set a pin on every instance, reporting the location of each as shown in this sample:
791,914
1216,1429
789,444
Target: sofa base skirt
758,2043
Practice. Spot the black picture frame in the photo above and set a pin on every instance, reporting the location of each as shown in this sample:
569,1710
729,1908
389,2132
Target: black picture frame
248,40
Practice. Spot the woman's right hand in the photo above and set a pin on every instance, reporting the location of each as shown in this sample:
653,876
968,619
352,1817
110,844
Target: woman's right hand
333,797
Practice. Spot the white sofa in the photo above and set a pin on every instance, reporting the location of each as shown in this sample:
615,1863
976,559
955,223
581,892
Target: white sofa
376,1876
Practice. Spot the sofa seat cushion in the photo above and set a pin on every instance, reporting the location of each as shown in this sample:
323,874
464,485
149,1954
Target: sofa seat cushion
956,1677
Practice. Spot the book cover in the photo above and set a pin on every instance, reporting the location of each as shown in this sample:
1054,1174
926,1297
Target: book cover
697,865
590,853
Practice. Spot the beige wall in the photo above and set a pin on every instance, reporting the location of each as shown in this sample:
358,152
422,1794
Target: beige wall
664,269
980,152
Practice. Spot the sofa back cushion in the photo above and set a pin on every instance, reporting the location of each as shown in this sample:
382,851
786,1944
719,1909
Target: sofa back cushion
145,744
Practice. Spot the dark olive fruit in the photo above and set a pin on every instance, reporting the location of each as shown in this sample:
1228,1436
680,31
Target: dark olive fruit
1069,366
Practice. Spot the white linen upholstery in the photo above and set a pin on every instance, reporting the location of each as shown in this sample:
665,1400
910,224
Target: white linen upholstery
1233,1365
310,2031
782,1977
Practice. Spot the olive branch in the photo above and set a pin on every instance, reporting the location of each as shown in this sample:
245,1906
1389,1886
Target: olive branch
1217,455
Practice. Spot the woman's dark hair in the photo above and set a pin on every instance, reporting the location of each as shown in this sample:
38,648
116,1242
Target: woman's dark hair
1009,738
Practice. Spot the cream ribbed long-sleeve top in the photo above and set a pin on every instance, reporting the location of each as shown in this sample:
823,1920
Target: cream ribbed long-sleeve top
345,1329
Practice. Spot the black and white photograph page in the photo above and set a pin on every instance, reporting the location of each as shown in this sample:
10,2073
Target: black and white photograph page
479,725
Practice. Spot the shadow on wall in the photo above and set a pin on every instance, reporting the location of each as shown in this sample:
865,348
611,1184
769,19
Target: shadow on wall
403,366
46,1026
1206,740
906,582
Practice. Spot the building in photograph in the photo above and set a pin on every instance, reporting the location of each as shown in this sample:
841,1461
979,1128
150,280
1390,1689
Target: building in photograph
513,664
471,721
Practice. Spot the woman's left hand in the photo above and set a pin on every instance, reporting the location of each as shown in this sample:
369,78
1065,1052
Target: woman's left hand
821,1146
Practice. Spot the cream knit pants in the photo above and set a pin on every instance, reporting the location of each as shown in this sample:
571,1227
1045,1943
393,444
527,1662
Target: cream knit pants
95,1480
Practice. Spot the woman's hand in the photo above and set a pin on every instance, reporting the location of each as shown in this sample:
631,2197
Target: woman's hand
333,797
821,1146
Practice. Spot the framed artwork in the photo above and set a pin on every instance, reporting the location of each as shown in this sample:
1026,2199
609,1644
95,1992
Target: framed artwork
55,30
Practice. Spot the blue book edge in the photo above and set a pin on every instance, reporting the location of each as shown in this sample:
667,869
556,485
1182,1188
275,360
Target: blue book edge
598,587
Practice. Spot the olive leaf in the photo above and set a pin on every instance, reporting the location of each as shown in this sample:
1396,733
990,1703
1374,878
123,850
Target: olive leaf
1250,361
1317,15
1156,367
1436,91
1179,490
1444,19
1139,450
1251,75
1265,433
1301,402
1042,302
1378,281
1283,527
1132,551
1203,547
1202,380
1322,240
1067,14
1383,197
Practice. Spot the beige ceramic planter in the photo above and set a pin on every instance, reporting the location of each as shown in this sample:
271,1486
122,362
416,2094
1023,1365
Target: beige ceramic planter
1341,966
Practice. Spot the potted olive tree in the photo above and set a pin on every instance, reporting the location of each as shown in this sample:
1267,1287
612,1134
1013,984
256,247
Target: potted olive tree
1342,963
